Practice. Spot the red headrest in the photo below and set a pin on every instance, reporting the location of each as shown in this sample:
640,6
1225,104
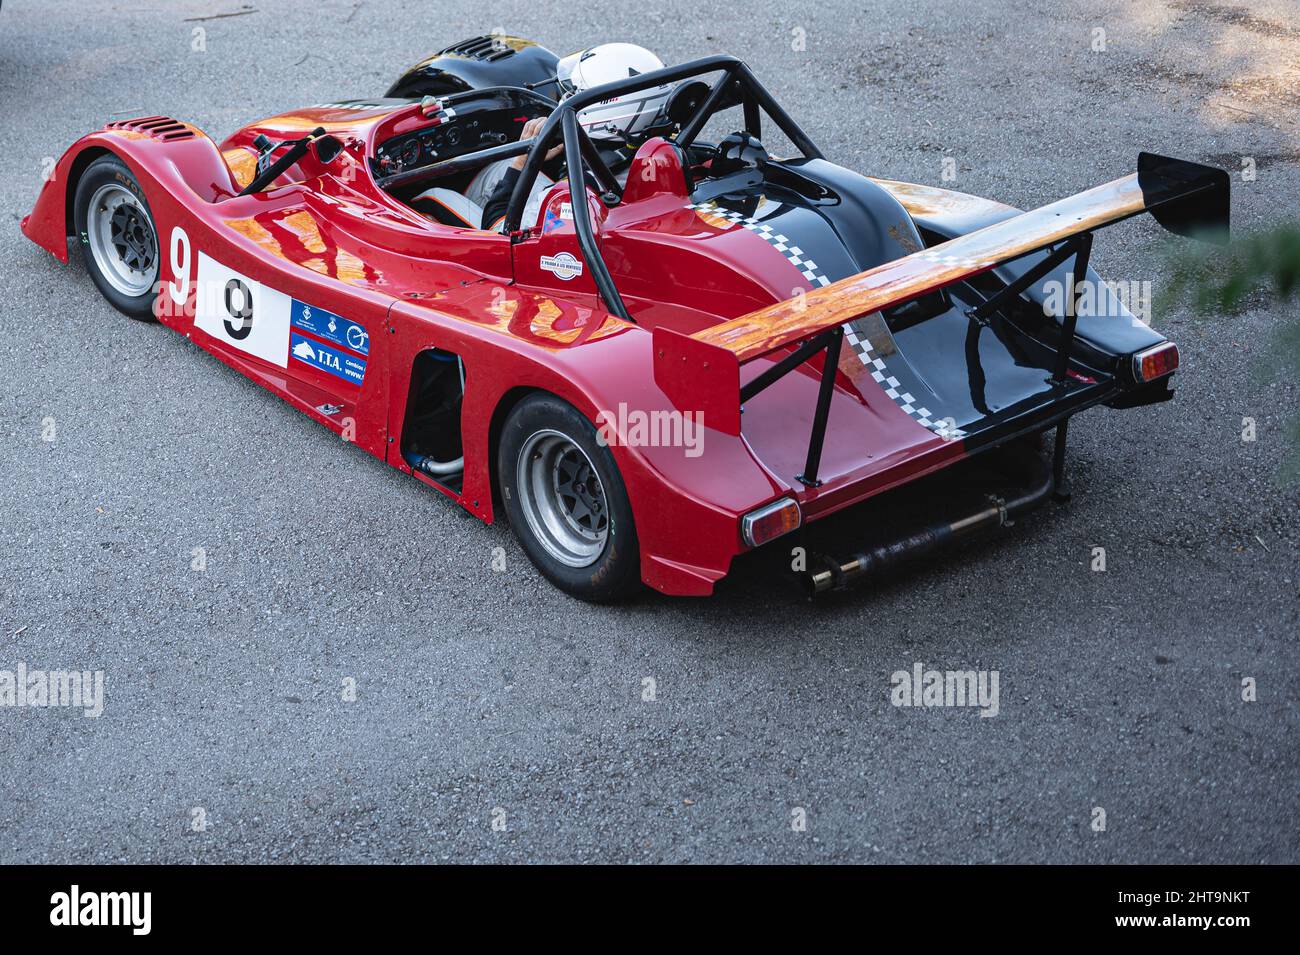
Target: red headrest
656,168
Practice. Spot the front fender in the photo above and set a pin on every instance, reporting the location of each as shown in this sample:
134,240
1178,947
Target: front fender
180,157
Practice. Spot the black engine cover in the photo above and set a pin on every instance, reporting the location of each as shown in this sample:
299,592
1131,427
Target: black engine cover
478,63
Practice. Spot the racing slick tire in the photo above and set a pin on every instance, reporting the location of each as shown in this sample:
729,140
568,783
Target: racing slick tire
567,502
118,238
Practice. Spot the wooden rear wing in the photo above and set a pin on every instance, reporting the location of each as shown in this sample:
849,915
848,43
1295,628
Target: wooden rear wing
701,372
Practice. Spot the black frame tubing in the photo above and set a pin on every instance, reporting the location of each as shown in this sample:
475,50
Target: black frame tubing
563,125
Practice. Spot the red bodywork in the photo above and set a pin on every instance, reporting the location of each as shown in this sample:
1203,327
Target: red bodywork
328,237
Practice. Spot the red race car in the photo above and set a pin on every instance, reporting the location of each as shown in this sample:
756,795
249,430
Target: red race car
707,349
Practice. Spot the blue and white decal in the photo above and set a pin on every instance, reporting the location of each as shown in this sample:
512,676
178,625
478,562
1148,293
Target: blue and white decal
327,358
331,327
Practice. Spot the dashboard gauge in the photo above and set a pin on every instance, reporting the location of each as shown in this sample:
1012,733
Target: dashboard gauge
409,154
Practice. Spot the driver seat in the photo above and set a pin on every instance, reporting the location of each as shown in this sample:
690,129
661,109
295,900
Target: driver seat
456,209
449,207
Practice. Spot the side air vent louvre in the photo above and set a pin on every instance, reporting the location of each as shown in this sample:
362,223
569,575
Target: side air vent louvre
159,127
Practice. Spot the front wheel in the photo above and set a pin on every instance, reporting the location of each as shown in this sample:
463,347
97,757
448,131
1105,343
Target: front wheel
566,501
117,235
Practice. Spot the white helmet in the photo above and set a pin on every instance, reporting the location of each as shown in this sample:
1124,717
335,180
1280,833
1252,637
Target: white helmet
624,115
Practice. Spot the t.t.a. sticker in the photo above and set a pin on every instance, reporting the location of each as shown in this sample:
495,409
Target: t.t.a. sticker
327,358
331,327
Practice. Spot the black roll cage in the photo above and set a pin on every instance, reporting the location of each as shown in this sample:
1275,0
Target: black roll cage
562,125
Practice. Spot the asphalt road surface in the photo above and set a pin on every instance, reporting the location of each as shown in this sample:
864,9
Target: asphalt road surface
487,695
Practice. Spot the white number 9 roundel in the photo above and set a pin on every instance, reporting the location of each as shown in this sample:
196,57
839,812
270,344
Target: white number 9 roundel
240,312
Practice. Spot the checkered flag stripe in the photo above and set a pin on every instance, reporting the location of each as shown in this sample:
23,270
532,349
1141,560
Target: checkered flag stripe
873,362
894,389
807,267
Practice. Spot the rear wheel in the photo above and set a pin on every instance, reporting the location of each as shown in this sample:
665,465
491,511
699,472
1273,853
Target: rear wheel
566,500
117,235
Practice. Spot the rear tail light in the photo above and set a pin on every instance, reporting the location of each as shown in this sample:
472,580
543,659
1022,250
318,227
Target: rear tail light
770,522
1155,362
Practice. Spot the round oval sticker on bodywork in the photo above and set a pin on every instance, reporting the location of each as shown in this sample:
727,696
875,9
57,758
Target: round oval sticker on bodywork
563,266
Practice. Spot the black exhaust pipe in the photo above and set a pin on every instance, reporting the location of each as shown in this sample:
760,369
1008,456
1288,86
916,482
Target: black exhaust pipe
828,573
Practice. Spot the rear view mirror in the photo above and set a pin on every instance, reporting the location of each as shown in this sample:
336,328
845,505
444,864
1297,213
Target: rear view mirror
328,149
686,100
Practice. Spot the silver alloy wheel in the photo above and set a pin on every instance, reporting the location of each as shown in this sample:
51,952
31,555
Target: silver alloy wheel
122,239
562,498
